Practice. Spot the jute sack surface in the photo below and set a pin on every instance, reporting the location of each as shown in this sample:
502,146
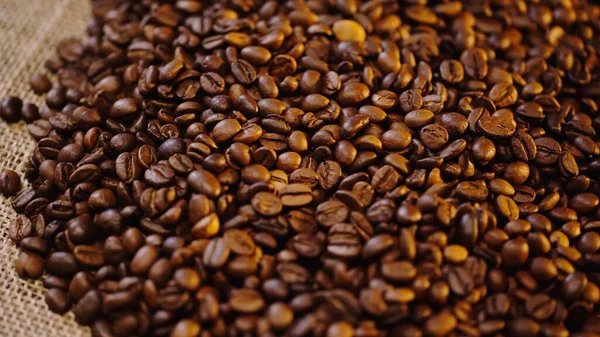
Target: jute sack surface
29,33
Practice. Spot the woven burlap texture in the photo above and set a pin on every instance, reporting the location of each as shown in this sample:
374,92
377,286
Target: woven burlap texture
29,32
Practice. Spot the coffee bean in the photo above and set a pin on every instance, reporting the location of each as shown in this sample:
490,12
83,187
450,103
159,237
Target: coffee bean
295,195
10,109
329,174
30,113
522,327
243,71
452,71
440,324
434,136
40,84
460,281
216,253
204,182
497,305
523,146
398,271
331,212
186,327
143,259
29,265
515,252
87,308
58,301
548,151
506,207
349,30
10,183
540,306
496,126
503,94
239,242
352,93
343,241
246,301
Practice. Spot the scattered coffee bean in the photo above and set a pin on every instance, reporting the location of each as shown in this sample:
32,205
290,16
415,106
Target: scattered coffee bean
10,183
40,84
10,109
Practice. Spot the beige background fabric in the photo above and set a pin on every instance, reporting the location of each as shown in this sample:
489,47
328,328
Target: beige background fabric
29,32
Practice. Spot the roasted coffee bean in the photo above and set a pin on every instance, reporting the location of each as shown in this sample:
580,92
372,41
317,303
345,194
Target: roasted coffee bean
88,307
204,182
434,136
548,151
540,306
30,113
440,325
523,146
40,84
522,327
497,126
246,301
10,109
58,301
29,265
10,183
349,30
243,71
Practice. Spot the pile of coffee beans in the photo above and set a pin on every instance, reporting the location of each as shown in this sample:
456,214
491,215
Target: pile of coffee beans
324,168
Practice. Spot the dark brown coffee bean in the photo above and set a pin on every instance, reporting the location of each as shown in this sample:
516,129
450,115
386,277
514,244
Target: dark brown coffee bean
331,212
243,71
522,327
10,109
40,84
127,167
540,306
10,183
460,281
523,146
87,308
88,256
29,265
30,113
58,300
567,165
434,136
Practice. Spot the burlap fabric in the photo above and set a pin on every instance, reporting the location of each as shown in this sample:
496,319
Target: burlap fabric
29,32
